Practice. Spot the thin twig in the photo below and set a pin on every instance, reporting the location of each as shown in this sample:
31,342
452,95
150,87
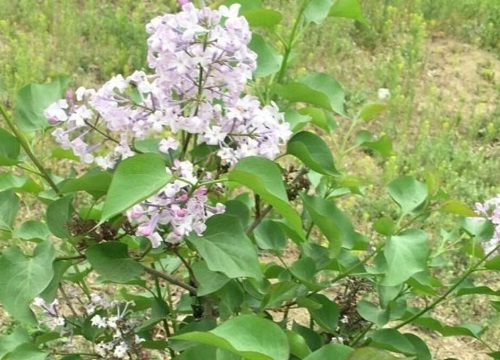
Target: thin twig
170,279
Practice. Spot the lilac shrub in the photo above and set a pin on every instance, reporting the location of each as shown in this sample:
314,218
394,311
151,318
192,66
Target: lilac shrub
211,240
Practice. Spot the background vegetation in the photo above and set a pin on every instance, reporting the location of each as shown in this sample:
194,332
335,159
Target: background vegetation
440,59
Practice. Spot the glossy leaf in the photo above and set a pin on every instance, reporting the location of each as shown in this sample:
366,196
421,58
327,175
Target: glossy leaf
32,229
268,59
408,193
11,341
246,5
249,336
22,278
392,340
262,17
225,248
9,206
369,353
269,235
58,216
134,180
96,183
459,330
406,254
26,351
263,176
331,351
333,223
9,148
327,317
316,89
317,11
457,207
11,181
313,151
321,118
112,261
33,99
209,281
370,111
349,9
328,86
298,345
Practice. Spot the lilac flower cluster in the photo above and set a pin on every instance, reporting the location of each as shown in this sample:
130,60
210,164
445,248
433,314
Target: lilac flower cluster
118,337
178,204
491,211
202,63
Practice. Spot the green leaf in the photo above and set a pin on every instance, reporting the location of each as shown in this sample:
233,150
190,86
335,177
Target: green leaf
459,330
368,353
480,229
298,345
249,336
327,317
313,151
331,351
9,148
10,181
296,120
26,351
316,89
32,229
406,254
321,118
263,176
225,248
305,271
135,179
422,350
10,342
373,313
333,223
22,278
329,87
370,111
268,59
408,193
262,17
457,207
96,183
493,264
9,206
313,339
58,216
246,5
383,146
209,281
33,99
392,340
269,235
477,290
112,261
349,9
317,11
384,226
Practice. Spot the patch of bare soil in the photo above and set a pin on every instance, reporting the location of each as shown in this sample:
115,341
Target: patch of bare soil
463,78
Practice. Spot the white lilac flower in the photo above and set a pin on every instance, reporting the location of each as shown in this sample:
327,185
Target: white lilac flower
491,211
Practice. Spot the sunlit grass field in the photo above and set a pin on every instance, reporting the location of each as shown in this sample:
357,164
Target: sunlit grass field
440,60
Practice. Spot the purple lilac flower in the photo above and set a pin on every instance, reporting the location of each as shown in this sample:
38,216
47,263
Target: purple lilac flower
202,63
491,211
